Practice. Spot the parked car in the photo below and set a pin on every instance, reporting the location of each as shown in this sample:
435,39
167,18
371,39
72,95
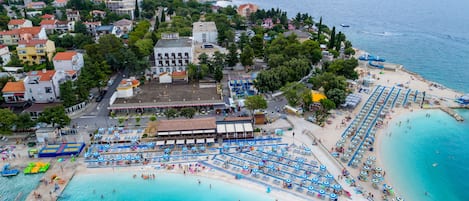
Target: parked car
101,96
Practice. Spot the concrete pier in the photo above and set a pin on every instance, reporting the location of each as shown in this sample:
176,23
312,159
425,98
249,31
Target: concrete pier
453,113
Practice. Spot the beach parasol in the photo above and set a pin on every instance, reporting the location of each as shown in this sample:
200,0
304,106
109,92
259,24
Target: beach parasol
310,188
288,180
333,196
315,180
326,184
322,192
261,163
337,187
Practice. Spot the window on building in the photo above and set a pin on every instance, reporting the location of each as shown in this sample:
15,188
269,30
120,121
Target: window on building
168,69
161,70
48,90
186,54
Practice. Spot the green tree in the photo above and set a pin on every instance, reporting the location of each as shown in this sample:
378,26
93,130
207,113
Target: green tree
67,94
188,112
55,116
257,44
137,121
319,29
80,28
7,121
170,113
243,41
293,92
247,56
332,39
336,95
203,58
145,46
137,10
218,75
24,122
232,57
255,102
153,118
349,51
327,104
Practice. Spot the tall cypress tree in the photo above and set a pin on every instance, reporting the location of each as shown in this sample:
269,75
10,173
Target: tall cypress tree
137,10
338,41
163,17
319,28
332,39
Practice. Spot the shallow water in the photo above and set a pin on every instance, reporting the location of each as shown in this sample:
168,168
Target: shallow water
428,155
166,187
10,187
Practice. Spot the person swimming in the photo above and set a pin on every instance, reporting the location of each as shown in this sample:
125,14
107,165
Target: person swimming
102,196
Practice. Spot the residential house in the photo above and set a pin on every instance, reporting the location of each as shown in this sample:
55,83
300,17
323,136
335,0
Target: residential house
246,9
122,7
123,26
4,54
72,15
59,3
98,14
64,26
36,5
300,35
26,33
48,25
43,86
35,51
48,17
67,61
91,26
19,23
106,29
204,32
14,92
172,54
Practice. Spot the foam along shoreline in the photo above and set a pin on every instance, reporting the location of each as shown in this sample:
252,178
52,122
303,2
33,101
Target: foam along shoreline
276,193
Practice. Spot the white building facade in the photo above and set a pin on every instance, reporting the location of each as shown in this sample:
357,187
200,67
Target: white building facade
67,61
5,54
172,54
43,86
204,32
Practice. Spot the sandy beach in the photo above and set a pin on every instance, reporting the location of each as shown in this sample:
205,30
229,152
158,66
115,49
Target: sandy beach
305,133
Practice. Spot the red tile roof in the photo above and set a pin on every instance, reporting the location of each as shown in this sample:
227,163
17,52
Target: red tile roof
178,74
24,30
60,56
16,22
13,87
31,43
48,22
48,16
71,72
44,76
187,124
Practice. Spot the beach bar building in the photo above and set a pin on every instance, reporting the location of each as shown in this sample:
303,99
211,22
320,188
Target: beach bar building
186,131
237,129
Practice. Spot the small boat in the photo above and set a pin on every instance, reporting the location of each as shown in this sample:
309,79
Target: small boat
344,25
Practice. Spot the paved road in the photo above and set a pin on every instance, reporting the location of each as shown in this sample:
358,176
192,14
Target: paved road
97,115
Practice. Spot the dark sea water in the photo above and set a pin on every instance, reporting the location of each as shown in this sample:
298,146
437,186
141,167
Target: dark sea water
429,37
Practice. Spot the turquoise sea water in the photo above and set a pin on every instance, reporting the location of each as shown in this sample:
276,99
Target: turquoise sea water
166,187
427,37
428,155
10,187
